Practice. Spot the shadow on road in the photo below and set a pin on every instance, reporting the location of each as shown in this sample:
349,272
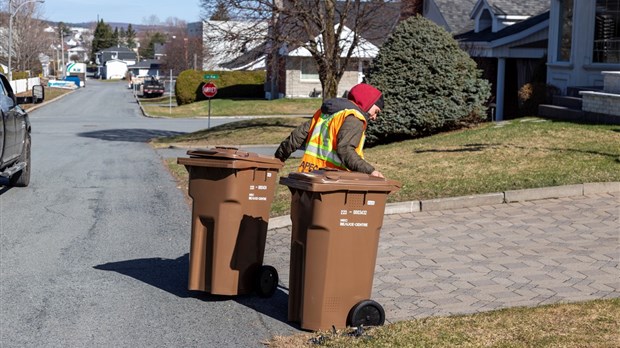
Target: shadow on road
165,274
171,275
129,135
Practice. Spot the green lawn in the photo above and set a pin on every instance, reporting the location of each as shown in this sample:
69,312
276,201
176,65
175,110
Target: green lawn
518,154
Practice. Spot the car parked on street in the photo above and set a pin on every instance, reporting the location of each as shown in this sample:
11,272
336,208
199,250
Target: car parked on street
15,132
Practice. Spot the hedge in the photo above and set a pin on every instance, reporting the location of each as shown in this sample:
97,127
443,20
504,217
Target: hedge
230,85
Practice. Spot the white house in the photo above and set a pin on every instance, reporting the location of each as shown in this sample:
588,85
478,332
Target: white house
225,41
114,69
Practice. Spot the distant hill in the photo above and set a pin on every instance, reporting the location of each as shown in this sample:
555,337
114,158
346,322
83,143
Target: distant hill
119,25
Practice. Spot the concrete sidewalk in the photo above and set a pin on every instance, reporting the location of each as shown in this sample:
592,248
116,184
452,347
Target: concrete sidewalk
485,257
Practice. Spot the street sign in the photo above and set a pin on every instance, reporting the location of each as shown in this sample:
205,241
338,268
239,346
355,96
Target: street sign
211,77
209,90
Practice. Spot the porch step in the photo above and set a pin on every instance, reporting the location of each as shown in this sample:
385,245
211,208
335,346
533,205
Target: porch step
560,113
569,102
574,91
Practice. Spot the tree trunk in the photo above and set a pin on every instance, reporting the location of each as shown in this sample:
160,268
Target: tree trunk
330,86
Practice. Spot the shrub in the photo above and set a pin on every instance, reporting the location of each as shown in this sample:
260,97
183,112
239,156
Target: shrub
20,75
230,84
428,82
531,95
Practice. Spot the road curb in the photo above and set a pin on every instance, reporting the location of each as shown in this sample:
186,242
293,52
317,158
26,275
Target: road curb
510,196
36,106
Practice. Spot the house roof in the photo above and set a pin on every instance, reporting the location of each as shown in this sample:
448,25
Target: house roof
488,35
517,8
454,13
254,59
147,64
227,42
122,53
364,48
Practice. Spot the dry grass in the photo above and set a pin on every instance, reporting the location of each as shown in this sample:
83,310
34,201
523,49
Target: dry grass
258,131
587,324
232,107
51,93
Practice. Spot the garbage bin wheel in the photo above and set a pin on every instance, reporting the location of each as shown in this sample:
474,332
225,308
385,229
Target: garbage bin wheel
267,281
367,313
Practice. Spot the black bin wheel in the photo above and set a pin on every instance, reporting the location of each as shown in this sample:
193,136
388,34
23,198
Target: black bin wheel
267,281
366,313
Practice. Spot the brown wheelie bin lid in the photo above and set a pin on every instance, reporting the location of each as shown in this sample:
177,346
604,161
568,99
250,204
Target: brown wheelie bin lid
229,157
327,180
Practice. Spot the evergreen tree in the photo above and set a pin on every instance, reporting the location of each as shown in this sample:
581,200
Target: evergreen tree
428,82
102,39
122,37
149,50
116,37
130,37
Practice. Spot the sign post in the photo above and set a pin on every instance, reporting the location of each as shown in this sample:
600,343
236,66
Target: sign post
209,90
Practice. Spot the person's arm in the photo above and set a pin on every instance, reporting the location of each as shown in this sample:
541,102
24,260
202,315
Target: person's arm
349,137
293,142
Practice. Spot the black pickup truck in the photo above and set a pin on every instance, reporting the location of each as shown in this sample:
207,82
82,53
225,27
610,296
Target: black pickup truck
152,87
15,133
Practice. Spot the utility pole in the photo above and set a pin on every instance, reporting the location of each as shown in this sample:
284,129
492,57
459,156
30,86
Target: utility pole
62,52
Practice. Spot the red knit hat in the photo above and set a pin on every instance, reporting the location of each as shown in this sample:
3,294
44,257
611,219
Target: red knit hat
365,96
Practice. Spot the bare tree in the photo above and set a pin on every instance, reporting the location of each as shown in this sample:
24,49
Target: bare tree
29,39
182,51
315,25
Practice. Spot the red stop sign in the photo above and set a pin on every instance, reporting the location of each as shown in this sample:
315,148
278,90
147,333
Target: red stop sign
209,90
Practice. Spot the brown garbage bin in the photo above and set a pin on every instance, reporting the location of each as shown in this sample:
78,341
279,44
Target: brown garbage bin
232,191
336,220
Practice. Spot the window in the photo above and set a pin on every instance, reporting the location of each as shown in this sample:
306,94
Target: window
565,34
607,32
309,70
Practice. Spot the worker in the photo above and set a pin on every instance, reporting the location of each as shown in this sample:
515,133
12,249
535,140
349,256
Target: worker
334,138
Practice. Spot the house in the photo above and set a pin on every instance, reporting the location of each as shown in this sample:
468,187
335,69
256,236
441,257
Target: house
584,58
114,69
78,51
146,67
225,41
292,72
115,55
569,44
451,15
508,39
584,40
301,74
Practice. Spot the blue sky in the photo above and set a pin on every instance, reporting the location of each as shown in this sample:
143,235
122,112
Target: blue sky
130,11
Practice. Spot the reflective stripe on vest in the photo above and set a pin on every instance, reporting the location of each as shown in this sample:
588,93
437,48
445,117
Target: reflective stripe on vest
321,146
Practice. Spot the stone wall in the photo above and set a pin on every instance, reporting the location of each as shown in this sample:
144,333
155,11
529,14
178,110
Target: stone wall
606,103
611,81
601,103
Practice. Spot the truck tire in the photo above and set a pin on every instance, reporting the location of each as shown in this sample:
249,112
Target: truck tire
22,178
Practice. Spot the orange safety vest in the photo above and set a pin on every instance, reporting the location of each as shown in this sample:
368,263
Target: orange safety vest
322,142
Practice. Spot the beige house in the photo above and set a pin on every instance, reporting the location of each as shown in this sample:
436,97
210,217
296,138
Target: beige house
302,76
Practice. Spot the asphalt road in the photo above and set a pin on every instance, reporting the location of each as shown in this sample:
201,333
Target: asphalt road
95,251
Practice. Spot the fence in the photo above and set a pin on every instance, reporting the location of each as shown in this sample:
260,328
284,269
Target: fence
24,85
